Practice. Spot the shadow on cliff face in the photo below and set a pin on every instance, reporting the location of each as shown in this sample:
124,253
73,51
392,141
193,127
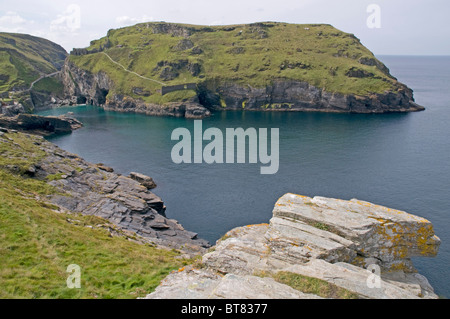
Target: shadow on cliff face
98,99
81,99
101,96
207,97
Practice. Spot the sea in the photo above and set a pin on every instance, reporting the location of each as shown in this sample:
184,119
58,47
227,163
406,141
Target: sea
398,160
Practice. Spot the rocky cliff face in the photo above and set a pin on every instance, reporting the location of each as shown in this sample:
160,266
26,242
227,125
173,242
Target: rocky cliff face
88,189
27,60
362,248
286,95
84,87
41,125
282,95
262,66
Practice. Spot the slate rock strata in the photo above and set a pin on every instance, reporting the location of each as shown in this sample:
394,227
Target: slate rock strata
337,241
288,95
11,109
281,95
83,87
43,125
144,180
213,95
89,189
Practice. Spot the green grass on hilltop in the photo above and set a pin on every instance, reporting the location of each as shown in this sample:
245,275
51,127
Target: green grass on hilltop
24,58
49,85
254,55
38,243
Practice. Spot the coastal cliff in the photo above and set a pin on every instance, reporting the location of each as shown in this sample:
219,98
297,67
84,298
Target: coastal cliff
285,95
262,66
29,73
96,190
314,248
84,87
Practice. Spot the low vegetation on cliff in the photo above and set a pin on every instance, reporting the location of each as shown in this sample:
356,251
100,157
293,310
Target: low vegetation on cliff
24,59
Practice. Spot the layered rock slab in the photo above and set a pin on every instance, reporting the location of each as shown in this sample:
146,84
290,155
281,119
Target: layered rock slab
196,284
358,246
364,233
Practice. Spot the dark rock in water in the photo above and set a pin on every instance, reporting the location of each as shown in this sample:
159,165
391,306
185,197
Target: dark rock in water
196,111
43,125
143,180
105,168
188,109
285,95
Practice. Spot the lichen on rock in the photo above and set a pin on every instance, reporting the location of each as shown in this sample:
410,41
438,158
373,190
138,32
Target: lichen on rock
336,241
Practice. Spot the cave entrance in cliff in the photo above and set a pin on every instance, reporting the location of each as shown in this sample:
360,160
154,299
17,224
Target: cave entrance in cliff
101,99
206,97
81,100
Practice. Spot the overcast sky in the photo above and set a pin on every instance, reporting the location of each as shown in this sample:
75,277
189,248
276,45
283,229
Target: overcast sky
402,27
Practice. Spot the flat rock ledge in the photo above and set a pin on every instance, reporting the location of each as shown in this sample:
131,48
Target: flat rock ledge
41,125
360,247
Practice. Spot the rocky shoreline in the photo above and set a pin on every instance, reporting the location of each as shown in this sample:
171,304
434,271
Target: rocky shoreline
284,95
361,248
41,125
265,66
188,109
281,95
94,189
87,88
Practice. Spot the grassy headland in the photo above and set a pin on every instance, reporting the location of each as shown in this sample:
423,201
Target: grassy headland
253,54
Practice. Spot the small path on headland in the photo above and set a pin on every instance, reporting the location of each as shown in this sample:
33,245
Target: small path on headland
143,77
42,77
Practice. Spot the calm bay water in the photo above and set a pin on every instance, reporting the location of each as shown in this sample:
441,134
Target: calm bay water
398,160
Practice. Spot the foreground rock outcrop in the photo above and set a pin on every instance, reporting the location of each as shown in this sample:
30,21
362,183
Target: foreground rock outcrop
362,248
82,187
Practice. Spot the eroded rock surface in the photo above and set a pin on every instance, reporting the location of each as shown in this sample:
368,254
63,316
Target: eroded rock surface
89,189
358,246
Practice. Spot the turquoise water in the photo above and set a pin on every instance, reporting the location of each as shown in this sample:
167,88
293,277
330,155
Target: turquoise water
398,160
